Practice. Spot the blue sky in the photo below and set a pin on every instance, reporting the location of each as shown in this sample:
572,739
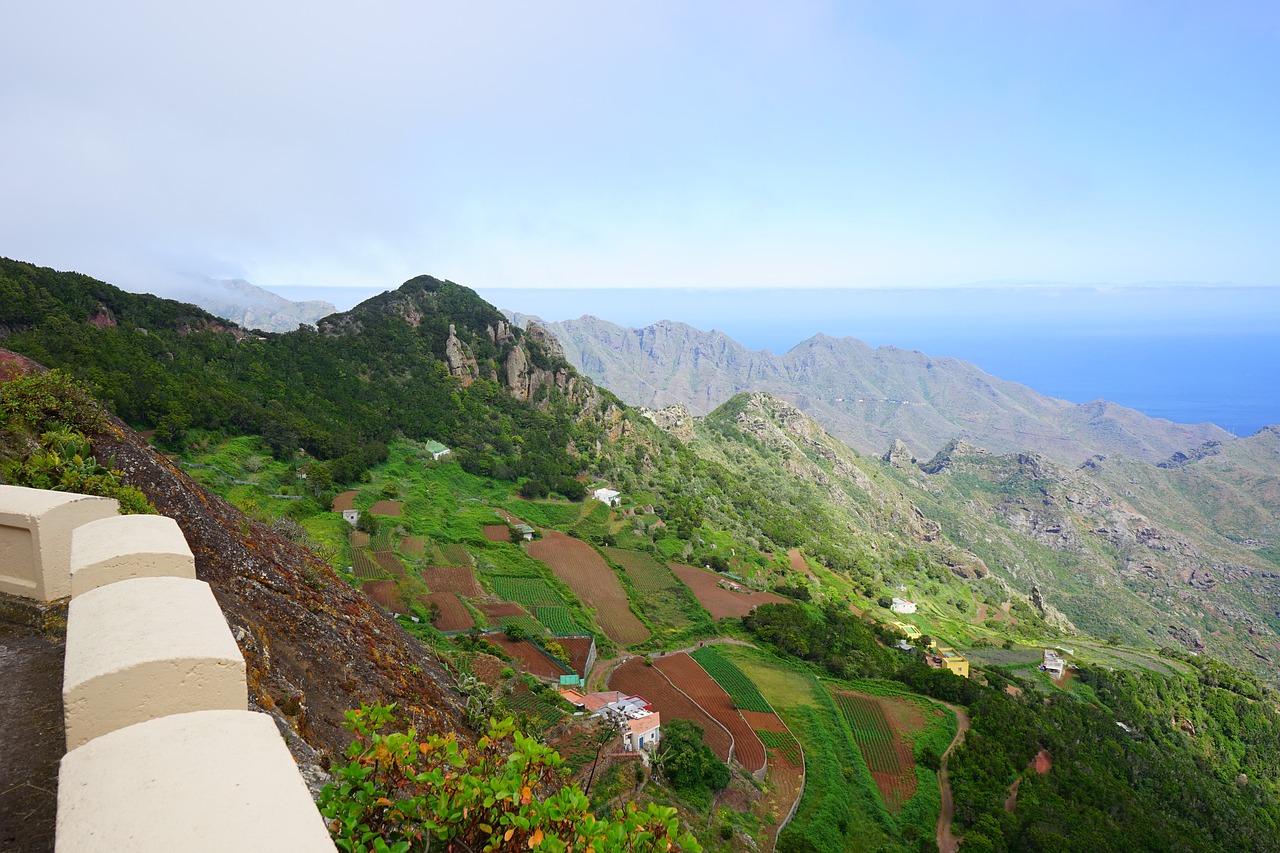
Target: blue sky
633,144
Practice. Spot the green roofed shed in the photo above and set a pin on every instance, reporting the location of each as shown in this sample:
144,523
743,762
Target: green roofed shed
437,450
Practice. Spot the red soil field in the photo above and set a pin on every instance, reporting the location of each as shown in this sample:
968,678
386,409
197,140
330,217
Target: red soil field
488,668
359,539
389,562
686,674
508,517
344,501
497,533
455,579
798,563
717,600
453,614
577,564
494,610
579,649
528,654
637,679
414,546
385,594
763,722
391,508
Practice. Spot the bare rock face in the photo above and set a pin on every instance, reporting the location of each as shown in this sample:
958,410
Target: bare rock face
899,456
673,420
462,362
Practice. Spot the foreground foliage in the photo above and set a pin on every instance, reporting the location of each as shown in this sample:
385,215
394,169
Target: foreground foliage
505,793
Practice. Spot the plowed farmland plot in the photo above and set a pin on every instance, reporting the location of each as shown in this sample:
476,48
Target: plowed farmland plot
359,539
385,594
685,674
497,533
389,562
364,566
717,600
453,614
668,605
531,592
638,679
456,555
740,689
455,579
529,655
414,546
887,751
577,564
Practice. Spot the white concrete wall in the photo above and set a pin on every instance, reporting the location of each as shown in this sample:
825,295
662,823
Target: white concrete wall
164,754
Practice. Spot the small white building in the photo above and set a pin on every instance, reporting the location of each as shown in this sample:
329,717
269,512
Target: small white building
633,717
902,605
607,496
351,516
1053,664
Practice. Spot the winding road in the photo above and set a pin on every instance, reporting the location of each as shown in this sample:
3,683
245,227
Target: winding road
948,843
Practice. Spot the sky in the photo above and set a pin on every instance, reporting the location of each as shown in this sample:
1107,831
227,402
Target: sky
563,145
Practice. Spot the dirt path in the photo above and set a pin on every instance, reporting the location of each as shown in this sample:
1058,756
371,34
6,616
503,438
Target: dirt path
982,613
948,843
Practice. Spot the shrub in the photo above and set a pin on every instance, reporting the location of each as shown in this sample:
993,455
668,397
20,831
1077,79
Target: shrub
504,793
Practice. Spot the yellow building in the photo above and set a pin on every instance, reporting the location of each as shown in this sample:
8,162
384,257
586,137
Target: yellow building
945,657
912,632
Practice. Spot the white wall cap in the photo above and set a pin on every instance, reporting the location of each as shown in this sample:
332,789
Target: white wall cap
35,538
196,782
145,648
128,546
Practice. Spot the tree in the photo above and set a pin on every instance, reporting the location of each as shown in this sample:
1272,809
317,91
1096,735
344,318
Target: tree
686,761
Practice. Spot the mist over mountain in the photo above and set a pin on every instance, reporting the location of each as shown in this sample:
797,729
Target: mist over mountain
252,307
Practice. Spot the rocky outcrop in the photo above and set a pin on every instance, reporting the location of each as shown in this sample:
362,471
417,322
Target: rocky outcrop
459,358
673,420
899,456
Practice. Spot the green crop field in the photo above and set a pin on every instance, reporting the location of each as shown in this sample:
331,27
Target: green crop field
784,743
531,592
740,689
558,619
646,573
545,514
871,730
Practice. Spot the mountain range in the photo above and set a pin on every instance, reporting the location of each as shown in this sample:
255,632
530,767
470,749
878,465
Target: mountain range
1014,521
867,397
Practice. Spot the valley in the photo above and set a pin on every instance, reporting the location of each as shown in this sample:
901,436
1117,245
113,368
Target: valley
762,579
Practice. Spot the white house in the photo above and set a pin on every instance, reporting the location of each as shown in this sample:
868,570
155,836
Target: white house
351,516
633,717
1053,664
902,605
607,496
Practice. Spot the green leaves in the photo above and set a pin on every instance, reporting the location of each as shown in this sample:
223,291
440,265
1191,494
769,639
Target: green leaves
505,793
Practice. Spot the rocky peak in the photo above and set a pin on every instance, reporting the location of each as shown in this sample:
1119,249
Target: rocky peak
899,456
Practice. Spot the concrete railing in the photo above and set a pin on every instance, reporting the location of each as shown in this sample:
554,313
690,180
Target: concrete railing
163,753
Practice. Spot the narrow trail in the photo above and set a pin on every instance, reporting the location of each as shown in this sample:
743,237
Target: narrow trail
947,842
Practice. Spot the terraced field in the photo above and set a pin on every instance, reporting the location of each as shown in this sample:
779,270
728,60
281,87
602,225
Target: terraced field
885,748
364,566
389,562
685,673
645,573
456,579
735,683
717,600
531,592
386,595
453,615
637,678
497,533
557,619
577,564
